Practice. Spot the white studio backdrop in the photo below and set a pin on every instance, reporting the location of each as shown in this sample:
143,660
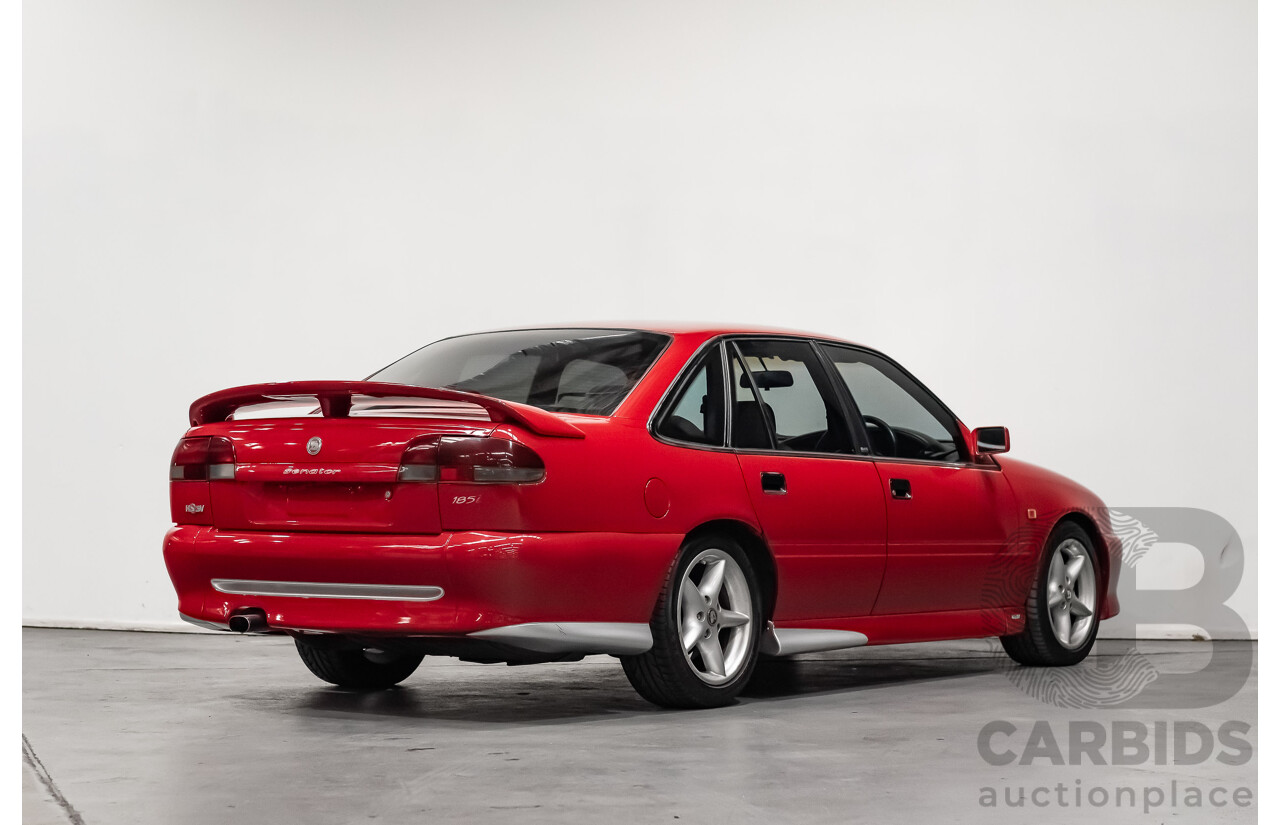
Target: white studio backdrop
1046,211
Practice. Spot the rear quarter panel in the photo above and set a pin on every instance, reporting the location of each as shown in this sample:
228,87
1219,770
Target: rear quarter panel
617,479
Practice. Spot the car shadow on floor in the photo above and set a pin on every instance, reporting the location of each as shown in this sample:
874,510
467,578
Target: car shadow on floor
533,703
561,696
797,677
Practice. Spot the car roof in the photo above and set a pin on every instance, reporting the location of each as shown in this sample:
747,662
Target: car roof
693,329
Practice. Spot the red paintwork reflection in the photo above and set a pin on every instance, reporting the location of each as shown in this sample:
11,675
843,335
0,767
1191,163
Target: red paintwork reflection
595,538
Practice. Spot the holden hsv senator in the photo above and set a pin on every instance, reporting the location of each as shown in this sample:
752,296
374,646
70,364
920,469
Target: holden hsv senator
685,498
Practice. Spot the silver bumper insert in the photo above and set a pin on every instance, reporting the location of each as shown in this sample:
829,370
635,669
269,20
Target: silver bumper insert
616,638
329,590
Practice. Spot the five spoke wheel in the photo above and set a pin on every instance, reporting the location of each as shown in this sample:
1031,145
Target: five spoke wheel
715,616
1071,593
1062,608
706,628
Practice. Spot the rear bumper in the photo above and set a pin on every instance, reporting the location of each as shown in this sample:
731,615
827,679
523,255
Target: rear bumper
551,593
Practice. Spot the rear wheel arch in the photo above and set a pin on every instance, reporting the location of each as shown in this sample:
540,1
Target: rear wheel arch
757,550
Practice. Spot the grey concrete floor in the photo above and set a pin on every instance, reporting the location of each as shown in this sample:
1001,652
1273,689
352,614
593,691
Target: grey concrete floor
177,728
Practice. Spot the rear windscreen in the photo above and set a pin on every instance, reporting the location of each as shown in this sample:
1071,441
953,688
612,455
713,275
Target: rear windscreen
562,370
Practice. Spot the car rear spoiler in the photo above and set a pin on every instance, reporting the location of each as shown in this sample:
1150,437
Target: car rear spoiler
335,402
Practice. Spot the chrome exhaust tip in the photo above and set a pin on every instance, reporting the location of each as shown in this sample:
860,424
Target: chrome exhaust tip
248,621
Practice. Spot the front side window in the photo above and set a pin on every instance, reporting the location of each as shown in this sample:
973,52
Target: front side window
697,416
562,370
902,419
782,400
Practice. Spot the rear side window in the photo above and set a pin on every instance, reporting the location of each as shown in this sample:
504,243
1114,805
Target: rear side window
782,400
563,370
697,416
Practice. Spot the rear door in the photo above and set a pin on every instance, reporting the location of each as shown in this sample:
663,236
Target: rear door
820,504
948,518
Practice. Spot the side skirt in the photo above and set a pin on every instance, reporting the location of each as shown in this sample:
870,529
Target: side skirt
789,641
616,638
813,635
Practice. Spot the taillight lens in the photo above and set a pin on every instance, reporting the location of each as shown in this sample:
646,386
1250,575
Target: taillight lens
208,458
419,460
489,461
476,460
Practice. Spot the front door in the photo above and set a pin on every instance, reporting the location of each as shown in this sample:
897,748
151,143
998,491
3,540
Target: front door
947,517
946,524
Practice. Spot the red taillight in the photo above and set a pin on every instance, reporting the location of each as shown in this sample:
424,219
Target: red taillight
419,460
477,460
210,458
489,461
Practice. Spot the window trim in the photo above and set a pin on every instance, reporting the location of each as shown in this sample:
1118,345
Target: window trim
841,390
741,361
848,404
857,436
961,445
722,341
688,371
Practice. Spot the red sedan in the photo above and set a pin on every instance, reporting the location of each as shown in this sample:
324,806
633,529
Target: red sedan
686,498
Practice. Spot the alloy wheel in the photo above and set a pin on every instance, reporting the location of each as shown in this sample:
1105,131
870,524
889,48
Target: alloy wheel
715,613
1072,594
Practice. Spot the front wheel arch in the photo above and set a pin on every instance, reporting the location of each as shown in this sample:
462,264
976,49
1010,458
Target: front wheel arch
1038,644
1101,549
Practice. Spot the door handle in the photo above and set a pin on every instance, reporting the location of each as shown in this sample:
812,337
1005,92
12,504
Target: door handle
774,483
900,488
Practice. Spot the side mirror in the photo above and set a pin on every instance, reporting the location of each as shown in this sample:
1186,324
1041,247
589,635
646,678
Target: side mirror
991,440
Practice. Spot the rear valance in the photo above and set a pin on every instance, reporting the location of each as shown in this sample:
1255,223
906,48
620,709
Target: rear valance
335,399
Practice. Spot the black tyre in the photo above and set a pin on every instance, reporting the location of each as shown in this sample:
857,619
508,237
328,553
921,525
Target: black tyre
706,629
352,667
1062,609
